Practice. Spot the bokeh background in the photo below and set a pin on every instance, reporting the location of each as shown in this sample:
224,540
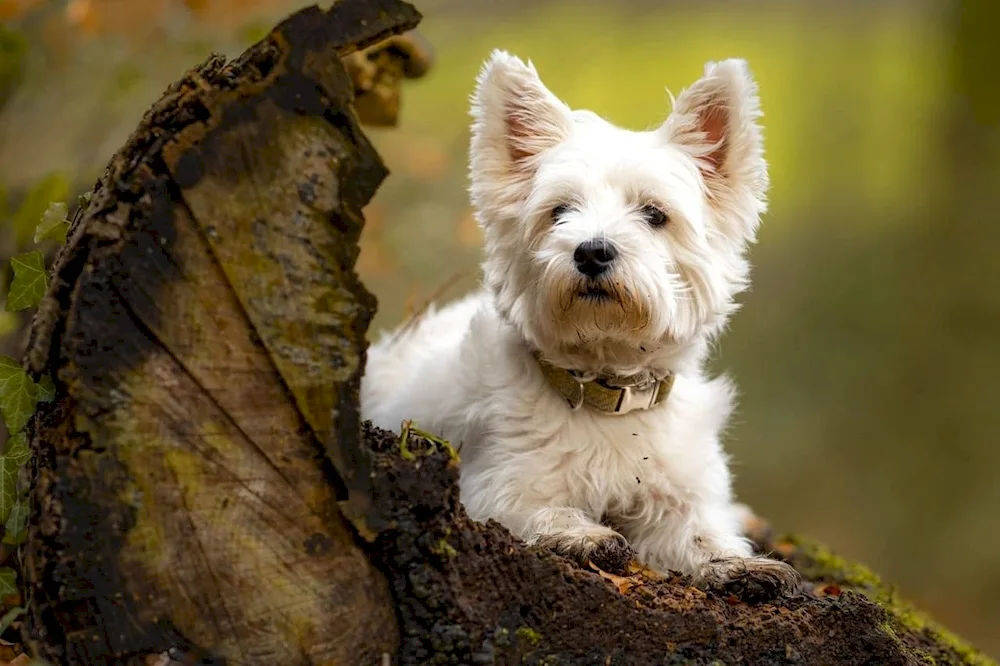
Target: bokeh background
868,352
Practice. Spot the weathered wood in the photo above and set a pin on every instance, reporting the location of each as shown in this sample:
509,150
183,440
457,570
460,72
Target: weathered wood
207,330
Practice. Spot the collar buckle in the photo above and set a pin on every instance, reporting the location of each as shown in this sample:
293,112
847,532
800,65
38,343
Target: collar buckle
636,397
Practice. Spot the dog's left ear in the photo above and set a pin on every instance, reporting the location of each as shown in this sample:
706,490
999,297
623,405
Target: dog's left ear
715,121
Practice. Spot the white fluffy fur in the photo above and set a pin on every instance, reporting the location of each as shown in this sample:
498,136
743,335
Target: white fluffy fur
549,474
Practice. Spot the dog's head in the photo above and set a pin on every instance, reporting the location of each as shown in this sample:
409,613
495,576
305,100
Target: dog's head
608,246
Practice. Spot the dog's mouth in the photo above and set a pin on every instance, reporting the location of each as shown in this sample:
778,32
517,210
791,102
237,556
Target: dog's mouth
595,293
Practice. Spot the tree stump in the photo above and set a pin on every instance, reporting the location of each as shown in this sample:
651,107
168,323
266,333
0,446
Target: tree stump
206,328
204,490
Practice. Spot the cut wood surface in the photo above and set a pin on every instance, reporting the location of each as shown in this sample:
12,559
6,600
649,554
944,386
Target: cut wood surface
204,489
207,330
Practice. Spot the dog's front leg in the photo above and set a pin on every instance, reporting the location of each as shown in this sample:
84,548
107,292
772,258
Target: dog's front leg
544,519
704,541
574,533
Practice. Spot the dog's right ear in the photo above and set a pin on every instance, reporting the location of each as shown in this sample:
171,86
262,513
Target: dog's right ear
515,120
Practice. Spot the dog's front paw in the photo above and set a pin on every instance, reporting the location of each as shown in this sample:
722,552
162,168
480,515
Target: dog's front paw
751,578
607,550
612,554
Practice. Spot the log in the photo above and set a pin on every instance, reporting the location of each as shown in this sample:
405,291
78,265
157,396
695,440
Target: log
204,491
469,593
206,328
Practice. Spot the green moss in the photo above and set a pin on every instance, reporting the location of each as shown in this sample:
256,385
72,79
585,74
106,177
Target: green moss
528,635
404,444
442,547
410,429
817,563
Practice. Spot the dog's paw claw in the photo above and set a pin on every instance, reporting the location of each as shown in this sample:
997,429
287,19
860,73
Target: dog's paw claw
607,550
750,579
612,554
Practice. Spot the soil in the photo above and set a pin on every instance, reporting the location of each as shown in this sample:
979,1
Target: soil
470,593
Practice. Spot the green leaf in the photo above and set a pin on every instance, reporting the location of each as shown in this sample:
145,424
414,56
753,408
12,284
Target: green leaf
8,581
18,395
54,224
8,487
46,389
9,617
9,370
17,449
15,529
54,187
30,281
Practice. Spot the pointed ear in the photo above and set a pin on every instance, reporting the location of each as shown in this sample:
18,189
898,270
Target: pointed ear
515,120
715,120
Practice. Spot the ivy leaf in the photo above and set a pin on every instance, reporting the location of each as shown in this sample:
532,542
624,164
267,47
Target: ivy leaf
9,370
17,449
8,486
15,530
9,617
13,511
18,395
54,224
30,281
46,389
8,581
54,187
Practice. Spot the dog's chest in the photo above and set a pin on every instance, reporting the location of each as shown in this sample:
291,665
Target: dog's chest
616,463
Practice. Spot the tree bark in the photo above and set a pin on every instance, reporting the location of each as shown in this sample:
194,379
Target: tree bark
207,330
205,491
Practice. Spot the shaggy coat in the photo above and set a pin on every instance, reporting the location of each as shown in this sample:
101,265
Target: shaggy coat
677,206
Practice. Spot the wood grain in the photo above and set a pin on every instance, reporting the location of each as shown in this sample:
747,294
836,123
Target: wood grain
206,329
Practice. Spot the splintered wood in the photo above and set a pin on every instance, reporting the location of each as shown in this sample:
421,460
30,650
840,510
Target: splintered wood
207,330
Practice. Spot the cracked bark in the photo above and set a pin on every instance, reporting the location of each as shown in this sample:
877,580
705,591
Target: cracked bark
206,328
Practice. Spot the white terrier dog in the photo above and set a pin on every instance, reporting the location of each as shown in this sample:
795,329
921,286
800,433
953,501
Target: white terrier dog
573,381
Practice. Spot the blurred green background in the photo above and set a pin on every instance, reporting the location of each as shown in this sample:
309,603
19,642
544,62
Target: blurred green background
868,352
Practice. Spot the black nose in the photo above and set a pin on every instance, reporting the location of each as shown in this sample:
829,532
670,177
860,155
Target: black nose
594,257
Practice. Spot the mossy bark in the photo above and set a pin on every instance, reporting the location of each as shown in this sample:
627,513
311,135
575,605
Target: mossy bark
204,490
206,329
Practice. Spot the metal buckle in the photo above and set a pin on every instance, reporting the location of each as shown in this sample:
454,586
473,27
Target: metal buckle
637,397
574,406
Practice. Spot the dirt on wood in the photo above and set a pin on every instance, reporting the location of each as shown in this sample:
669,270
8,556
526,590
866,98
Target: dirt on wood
470,593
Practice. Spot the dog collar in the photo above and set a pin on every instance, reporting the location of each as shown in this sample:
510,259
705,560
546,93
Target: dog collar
611,395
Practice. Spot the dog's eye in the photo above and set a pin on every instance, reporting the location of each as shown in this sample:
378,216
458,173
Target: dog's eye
654,216
559,211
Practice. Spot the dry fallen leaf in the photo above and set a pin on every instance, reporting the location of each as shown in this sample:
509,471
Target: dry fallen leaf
827,590
641,569
623,583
